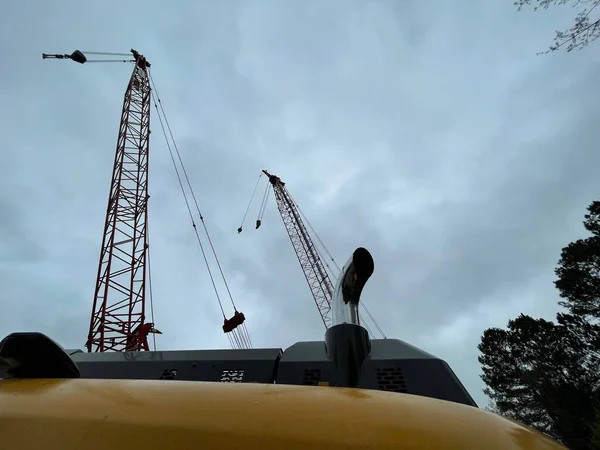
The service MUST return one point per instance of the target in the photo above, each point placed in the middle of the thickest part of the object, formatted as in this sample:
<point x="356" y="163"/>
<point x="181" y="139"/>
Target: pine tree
<point x="578" y="270"/>
<point x="544" y="375"/>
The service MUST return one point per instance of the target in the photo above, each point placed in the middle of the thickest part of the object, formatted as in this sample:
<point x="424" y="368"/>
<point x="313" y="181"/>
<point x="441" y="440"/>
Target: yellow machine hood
<point x="86" y="414"/>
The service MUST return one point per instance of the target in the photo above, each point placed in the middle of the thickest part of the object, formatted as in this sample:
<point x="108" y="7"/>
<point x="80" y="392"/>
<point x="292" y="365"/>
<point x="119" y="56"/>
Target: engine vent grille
<point x="391" y="379"/>
<point x="232" y="376"/>
<point x="168" y="374"/>
<point x="311" y="377"/>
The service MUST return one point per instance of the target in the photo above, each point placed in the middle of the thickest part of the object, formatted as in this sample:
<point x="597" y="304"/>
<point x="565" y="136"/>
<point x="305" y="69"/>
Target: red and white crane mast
<point x="118" y="312"/>
<point x="118" y="320"/>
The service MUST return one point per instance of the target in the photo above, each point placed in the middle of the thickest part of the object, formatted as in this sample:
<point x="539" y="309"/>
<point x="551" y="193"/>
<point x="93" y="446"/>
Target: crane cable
<point x="105" y="53"/>
<point x="236" y="342"/>
<point x="150" y="285"/>
<point x="249" y="204"/>
<point x="110" y="61"/>
<point x="242" y="340"/>
<point x="263" y="206"/>
<point x="107" y="60"/>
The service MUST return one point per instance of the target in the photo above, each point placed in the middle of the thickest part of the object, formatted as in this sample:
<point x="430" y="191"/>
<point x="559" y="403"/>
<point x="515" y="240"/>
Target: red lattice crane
<point x="118" y="315"/>
<point x="314" y="270"/>
<point x="118" y="321"/>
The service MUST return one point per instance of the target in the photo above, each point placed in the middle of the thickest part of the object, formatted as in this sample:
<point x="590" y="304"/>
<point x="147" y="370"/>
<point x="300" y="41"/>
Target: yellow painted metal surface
<point x="174" y="415"/>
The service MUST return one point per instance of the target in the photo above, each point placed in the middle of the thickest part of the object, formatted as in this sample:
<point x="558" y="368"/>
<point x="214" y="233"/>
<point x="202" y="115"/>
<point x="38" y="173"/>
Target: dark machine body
<point x="392" y="365"/>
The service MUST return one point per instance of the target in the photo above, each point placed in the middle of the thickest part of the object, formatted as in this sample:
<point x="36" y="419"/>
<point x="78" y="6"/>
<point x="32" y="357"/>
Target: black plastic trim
<point x="35" y="355"/>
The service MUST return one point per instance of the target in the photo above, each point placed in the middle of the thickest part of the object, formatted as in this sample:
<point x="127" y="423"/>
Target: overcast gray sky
<point x="429" y="132"/>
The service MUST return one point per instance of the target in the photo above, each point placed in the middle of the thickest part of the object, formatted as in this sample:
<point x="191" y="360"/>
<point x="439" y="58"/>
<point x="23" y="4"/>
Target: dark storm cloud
<point x="432" y="135"/>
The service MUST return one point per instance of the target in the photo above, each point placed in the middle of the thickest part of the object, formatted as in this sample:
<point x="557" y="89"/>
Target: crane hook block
<point x="258" y="223"/>
<point x="231" y="324"/>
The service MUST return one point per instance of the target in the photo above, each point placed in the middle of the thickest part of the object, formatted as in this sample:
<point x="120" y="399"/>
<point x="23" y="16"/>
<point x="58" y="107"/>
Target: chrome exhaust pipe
<point x="349" y="286"/>
<point x="347" y="342"/>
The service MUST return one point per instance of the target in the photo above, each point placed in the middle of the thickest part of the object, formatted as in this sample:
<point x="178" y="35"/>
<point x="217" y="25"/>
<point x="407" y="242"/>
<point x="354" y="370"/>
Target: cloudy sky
<point x="428" y="132"/>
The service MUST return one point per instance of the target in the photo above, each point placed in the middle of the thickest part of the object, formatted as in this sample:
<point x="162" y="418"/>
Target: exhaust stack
<point x="348" y="343"/>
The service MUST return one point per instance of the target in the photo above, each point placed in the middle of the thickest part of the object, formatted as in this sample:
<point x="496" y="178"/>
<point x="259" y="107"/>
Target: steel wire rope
<point x="150" y="284"/>
<point x="190" y="212"/>
<point x="235" y="342"/>
<point x="247" y="334"/>
<point x="263" y="203"/>
<point x="166" y="122"/>
<point x="109" y="61"/>
<point x="104" y="53"/>
<point x="250" y="203"/>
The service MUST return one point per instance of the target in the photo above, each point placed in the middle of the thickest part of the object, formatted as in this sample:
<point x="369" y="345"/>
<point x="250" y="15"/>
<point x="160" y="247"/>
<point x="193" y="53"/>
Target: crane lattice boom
<point x="118" y="314"/>
<point x="118" y="321"/>
<point x="316" y="276"/>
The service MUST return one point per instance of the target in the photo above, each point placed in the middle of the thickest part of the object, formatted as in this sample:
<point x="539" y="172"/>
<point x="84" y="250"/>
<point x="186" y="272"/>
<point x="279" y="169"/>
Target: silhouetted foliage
<point x="585" y="29"/>
<point x="578" y="270"/>
<point x="545" y="375"/>
<point x="596" y="428"/>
